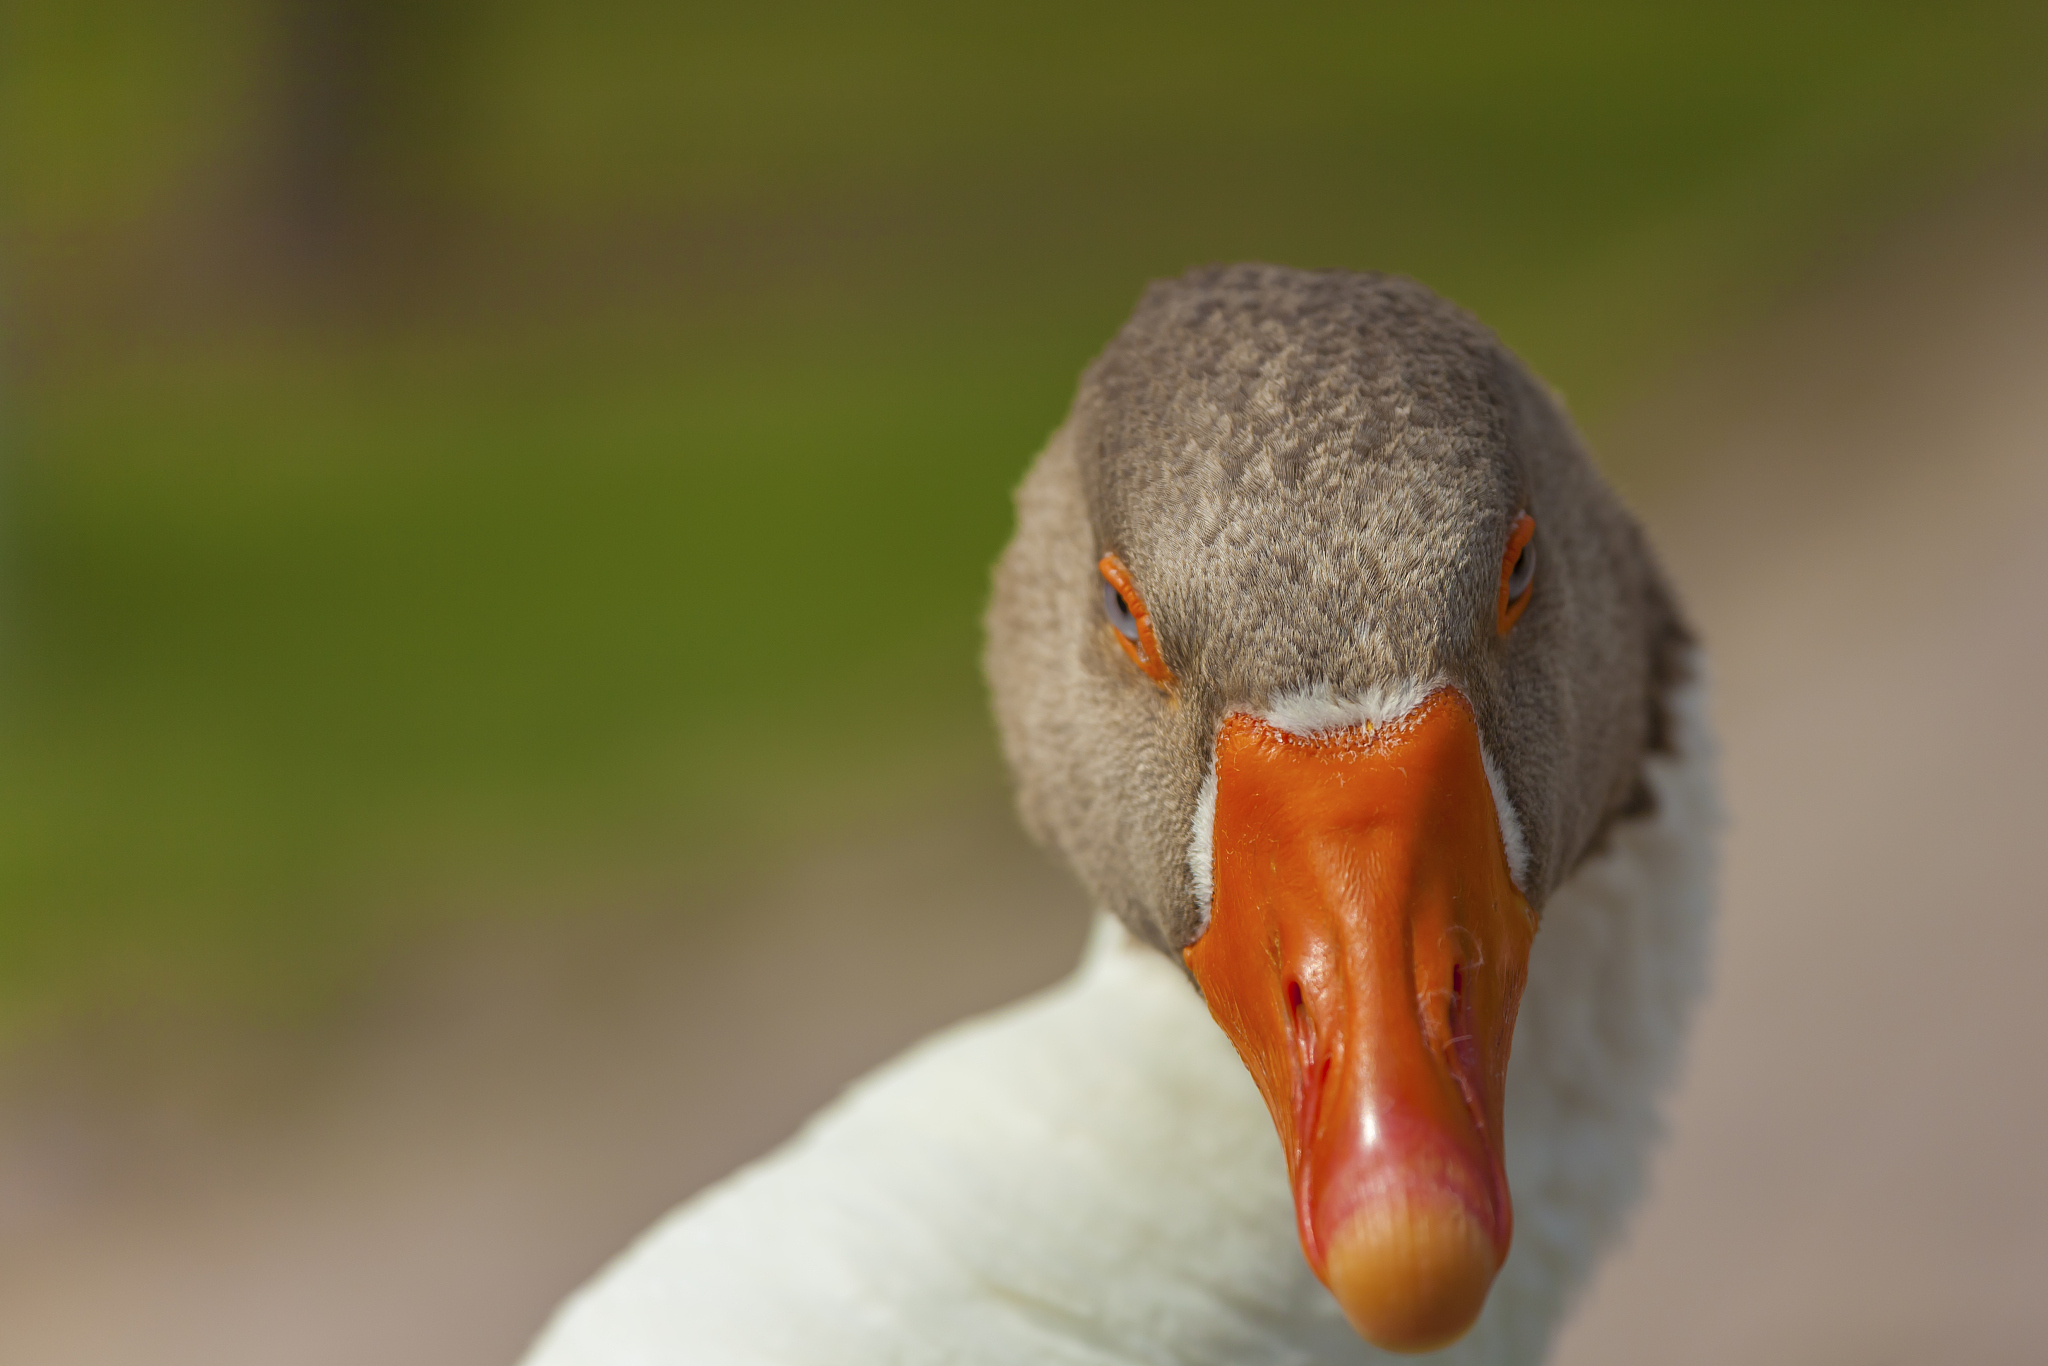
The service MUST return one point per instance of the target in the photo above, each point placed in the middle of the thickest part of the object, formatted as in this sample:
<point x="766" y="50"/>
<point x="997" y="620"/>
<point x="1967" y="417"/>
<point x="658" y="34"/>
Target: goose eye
<point x="1125" y="609"/>
<point x="1119" y="612"/>
<point x="1524" y="570"/>
<point x="1517" y="573"/>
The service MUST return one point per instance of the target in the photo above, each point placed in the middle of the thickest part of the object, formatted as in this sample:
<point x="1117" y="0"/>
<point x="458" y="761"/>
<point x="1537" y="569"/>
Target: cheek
<point x="1144" y="796"/>
<point x="1535" y="765"/>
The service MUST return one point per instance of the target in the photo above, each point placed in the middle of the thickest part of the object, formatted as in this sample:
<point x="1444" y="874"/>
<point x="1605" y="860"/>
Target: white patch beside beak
<point x="1202" y="846"/>
<point x="1511" y="837"/>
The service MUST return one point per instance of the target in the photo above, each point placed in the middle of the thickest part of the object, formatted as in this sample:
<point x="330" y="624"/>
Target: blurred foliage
<point x="454" y="448"/>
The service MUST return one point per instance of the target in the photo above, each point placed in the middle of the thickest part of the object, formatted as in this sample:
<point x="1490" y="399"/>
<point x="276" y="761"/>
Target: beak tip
<point x="1413" y="1277"/>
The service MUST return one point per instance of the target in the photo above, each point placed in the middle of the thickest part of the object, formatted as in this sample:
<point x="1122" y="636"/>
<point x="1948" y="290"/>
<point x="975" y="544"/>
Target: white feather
<point x="1513" y="842"/>
<point x="1317" y="709"/>
<point x="1202" y="848"/>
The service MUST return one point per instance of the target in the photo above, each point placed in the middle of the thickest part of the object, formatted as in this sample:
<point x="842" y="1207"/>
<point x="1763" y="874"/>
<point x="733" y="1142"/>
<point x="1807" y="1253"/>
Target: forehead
<point x="1306" y="468"/>
<point x="1315" y="355"/>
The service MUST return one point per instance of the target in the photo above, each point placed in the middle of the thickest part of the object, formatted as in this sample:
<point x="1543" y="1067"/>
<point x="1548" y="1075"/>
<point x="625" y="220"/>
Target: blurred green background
<point x="460" y="457"/>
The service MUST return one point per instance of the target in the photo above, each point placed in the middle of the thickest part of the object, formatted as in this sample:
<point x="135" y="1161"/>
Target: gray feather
<point x="1313" y="477"/>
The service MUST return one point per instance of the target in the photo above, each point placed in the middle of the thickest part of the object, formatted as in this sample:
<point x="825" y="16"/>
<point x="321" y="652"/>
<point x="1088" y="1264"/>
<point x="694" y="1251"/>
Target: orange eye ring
<point x="1517" y="574"/>
<point x="1132" y="626"/>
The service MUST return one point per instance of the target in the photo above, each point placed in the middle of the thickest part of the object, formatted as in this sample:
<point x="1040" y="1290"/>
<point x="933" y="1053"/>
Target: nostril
<point x="1303" y="1023"/>
<point x="1309" y="1077"/>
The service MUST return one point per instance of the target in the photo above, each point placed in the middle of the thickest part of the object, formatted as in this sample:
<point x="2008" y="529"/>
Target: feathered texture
<point x="1513" y="842"/>
<point x="1091" y="1177"/>
<point x="1318" y="708"/>
<point x="1312" y="477"/>
<point x="1202" y="849"/>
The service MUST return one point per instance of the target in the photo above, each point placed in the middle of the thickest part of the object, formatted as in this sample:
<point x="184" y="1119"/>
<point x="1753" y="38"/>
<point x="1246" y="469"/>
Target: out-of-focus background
<point x="495" y="505"/>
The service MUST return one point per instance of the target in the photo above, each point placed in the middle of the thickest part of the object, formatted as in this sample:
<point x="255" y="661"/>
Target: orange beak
<point x="1366" y="951"/>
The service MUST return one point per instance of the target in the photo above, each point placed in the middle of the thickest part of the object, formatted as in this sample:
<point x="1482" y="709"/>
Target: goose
<point x="1356" y="700"/>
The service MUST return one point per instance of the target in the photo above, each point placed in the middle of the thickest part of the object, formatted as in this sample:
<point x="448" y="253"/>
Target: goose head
<point x="1322" y="654"/>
